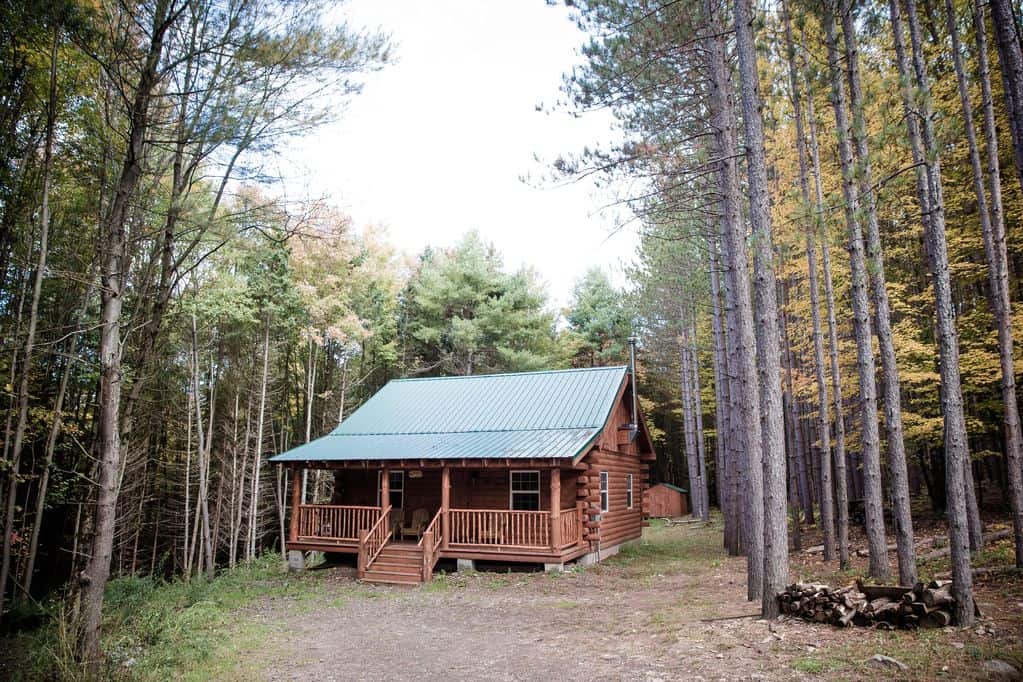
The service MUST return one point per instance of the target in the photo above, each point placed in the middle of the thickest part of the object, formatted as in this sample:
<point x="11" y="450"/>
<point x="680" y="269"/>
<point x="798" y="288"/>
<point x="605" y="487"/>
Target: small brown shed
<point x="665" y="499"/>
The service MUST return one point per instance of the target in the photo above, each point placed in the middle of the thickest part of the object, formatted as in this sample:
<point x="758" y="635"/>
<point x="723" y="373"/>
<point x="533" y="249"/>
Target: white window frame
<point x="605" y="494"/>
<point x="628" y="491"/>
<point x="391" y="489"/>
<point x="512" y="492"/>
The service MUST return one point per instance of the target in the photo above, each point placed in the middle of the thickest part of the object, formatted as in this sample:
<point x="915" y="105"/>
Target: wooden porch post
<point x="385" y="487"/>
<point x="555" y="509"/>
<point x="296" y="501"/>
<point x="445" y="504"/>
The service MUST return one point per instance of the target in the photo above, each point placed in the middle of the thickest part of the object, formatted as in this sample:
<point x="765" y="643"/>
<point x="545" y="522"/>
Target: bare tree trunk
<point x="898" y="475"/>
<point x="741" y="338"/>
<point x="861" y="314"/>
<point x="776" y="561"/>
<point x="93" y="579"/>
<point x="998" y="275"/>
<point x="688" y="423"/>
<point x="33" y="321"/>
<point x="189" y="546"/>
<point x="701" y="455"/>
<point x="839" y="458"/>
<point x="232" y="528"/>
<point x="257" y="459"/>
<point x="203" y="453"/>
<point x="722" y="424"/>
<point x="957" y="456"/>
<point x="1010" y="55"/>
<point x="823" y="419"/>
<point x="792" y="415"/>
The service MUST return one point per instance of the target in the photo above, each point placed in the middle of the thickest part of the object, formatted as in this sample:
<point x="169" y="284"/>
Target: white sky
<point x="437" y="142"/>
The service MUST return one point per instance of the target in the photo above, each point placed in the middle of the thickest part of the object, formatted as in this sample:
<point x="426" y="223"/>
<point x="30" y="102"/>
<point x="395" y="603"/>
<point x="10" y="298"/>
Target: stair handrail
<point x="371" y="542"/>
<point x="431" y="540"/>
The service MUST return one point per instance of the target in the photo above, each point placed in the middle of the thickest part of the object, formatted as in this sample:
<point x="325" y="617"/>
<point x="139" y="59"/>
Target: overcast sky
<point x="437" y="143"/>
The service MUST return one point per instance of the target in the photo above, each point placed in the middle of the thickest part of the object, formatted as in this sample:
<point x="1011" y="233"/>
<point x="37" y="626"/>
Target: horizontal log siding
<point x="619" y="524"/>
<point x="489" y="488"/>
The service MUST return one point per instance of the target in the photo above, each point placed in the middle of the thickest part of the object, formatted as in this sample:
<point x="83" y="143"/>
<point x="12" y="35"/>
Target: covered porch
<point x="485" y="510"/>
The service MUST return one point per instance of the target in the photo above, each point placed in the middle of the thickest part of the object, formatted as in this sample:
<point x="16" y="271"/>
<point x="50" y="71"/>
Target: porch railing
<point x="373" y="540"/>
<point x="335" y="522"/>
<point x="571" y="527"/>
<point x="494" y="528"/>
<point x="431" y="541"/>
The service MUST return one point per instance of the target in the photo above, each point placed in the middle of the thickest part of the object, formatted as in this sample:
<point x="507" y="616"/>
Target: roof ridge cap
<point x="435" y="433"/>
<point x="511" y="374"/>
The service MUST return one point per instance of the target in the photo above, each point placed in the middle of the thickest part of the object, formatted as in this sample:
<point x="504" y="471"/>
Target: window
<point x="525" y="490"/>
<point x="628" y="491"/>
<point x="396" y="483"/>
<point x="604" y="506"/>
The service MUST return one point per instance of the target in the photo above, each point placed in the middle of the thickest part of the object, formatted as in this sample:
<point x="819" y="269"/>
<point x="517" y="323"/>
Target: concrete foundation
<point x="605" y="552"/>
<point x="466" y="565"/>
<point x="296" y="560"/>
<point x="554" y="568"/>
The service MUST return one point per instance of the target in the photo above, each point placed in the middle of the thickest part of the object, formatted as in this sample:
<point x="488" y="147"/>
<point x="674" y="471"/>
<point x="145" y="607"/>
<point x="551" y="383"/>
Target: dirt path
<point x="672" y="610"/>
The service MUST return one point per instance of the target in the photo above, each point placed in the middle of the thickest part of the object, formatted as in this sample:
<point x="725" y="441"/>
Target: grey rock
<point x="883" y="661"/>
<point x="1000" y="670"/>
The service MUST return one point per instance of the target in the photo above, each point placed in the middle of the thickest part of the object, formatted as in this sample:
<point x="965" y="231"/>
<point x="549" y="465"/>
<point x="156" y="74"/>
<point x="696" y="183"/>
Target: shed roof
<point x="669" y="485"/>
<point x="550" y="414"/>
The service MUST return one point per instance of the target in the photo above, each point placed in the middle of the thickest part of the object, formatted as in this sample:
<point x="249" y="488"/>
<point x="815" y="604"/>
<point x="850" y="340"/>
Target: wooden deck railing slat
<point x="335" y="522"/>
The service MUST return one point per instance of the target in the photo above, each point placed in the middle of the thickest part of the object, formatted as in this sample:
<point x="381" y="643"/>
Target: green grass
<point x="664" y="550"/>
<point x="815" y="665"/>
<point x="192" y="630"/>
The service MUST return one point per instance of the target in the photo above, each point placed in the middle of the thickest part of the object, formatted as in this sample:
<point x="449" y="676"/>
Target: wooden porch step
<point x="398" y="564"/>
<point x="392" y="579"/>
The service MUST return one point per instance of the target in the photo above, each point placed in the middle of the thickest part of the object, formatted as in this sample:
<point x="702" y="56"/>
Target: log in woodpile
<point x="882" y="607"/>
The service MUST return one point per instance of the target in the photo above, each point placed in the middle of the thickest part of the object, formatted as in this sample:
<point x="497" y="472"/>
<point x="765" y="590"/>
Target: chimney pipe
<point x="634" y="426"/>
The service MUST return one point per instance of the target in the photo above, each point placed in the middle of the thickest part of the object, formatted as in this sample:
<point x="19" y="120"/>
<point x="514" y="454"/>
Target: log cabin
<point x="542" y="467"/>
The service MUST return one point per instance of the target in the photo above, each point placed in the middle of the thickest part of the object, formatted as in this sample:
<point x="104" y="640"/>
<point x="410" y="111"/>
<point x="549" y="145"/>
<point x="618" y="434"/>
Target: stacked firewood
<point x="885" y="607"/>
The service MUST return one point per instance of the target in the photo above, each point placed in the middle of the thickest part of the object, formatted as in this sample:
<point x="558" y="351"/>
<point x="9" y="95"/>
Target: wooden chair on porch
<point x="420" y="518"/>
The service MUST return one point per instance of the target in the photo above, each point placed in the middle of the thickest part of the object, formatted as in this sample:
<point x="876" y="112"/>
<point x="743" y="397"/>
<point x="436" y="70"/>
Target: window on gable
<point x="525" y="490"/>
<point x="604" y="502"/>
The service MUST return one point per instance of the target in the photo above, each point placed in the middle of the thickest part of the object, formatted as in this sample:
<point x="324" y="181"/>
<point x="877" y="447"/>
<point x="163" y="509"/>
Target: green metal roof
<point x="527" y="415"/>
<point x="673" y="487"/>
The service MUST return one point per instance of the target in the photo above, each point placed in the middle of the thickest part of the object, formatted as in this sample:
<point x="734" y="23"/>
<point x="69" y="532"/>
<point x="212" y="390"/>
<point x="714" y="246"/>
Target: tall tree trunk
<point x="203" y="453"/>
<point x="811" y="219"/>
<point x="33" y="321"/>
<point x="688" y="422"/>
<point x="792" y="415"/>
<point x="93" y="579"/>
<point x="257" y="461"/>
<point x="776" y="560"/>
<point x="869" y="436"/>
<point x="897" y="472"/>
<point x="839" y="459"/>
<point x="701" y="455"/>
<point x="957" y="456"/>
<point x="998" y="276"/>
<point x="741" y="338"/>
<point x="722" y="399"/>
<point x="1010" y="55"/>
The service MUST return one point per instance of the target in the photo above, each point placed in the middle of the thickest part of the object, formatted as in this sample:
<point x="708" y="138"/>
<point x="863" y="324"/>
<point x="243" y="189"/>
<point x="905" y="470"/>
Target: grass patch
<point x="816" y="665"/>
<point x="188" y="630"/>
<point x="675" y="549"/>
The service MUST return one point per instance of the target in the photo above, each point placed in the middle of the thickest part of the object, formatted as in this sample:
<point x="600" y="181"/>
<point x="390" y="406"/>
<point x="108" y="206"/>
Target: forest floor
<point x="671" y="607"/>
